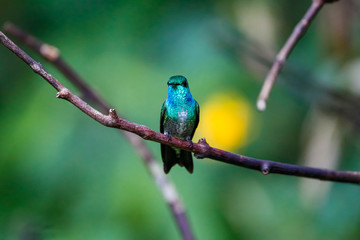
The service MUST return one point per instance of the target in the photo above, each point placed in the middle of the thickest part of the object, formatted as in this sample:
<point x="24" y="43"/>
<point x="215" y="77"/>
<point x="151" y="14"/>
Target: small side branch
<point x="201" y="149"/>
<point x="281" y="57"/>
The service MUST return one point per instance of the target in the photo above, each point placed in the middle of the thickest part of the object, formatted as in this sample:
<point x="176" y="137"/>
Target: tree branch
<point x="201" y="149"/>
<point x="281" y="57"/>
<point x="166" y="187"/>
<point x="52" y="54"/>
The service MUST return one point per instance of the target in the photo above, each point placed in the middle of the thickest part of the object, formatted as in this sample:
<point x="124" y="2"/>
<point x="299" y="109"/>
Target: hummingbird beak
<point x="173" y="85"/>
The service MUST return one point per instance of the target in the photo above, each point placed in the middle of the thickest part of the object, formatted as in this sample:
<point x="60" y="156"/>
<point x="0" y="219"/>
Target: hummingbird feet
<point x="168" y="135"/>
<point x="188" y="139"/>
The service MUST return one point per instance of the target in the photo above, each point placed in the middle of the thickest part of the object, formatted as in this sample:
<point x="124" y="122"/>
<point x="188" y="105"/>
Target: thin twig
<point x="201" y="149"/>
<point x="342" y="103"/>
<point x="164" y="184"/>
<point x="279" y="62"/>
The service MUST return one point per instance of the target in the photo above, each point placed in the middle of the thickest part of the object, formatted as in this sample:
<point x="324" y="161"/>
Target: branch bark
<point x="166" y="187"/>
<point x="291" y="42"/>
<point x="201" y="149"/>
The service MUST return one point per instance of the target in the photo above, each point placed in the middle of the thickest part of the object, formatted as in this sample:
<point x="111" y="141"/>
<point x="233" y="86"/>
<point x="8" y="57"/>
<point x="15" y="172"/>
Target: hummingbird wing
<point x="162" y="116"/>
<point x="168" y="154"/>
<point x="197" y="111"/>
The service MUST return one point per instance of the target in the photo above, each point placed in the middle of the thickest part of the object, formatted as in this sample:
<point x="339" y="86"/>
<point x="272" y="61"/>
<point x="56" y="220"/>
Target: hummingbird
<point x="179" y="118"/>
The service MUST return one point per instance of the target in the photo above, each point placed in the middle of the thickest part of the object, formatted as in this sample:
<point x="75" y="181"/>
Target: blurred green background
<point x="64" y="176"/>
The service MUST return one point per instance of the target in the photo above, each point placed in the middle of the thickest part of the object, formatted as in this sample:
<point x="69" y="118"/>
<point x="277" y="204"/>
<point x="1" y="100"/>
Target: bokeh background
<point x="64" y="176"/>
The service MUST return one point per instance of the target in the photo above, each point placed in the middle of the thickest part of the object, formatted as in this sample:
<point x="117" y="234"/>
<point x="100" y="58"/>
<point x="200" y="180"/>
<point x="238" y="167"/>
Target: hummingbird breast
<point x="180" y="118"/>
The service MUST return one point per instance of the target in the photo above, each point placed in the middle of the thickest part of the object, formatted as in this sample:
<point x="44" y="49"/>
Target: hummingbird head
<point x="178" y="82"/>
<point x="178" y="87"/>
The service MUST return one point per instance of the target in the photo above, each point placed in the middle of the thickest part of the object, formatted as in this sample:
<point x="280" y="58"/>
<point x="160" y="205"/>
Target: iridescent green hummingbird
<point x="179" y="118"/>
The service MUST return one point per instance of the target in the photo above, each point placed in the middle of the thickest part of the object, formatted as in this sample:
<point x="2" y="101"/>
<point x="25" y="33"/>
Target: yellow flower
<point x="224" y="121"/>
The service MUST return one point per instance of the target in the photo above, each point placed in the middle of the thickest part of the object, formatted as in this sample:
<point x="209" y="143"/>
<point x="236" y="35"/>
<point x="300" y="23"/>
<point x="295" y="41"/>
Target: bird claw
<point x="168" y="135"/>
<point x="188" y="139"/>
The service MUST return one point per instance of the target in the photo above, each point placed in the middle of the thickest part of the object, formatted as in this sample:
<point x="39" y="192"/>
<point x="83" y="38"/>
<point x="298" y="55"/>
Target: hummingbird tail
<point x="170" y="158"/>
<point x="186" y="160"/>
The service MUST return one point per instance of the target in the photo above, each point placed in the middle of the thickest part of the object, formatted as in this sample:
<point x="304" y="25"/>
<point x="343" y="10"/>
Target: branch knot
<point x="205" y="147"/>
<point x="36" y="67"/>
<point x="113" y="117"/>
<point x="63" y="93"/>
<point x="265" y="168"/>
<point x="113" y="114"/>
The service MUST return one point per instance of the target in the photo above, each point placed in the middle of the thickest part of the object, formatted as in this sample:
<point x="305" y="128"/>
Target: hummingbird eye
<point x="184" y="84"/>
